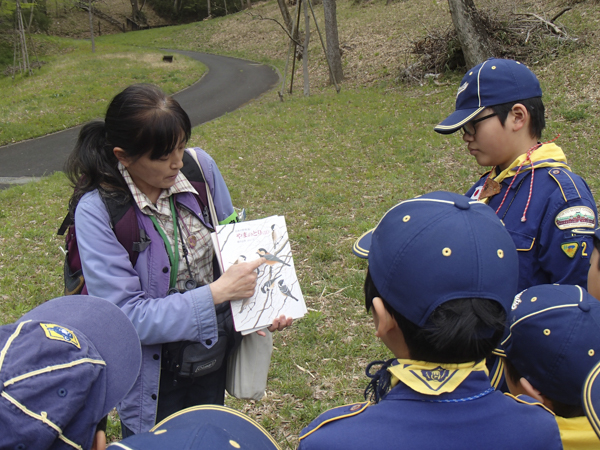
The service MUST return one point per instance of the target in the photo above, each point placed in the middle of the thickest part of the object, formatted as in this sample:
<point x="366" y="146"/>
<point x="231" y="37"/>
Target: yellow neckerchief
<point x="550" y="153"/>
<point x="433" y="378"/>
<point x="577" y="433"/>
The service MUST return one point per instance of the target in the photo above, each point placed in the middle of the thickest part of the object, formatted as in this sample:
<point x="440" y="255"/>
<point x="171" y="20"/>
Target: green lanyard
<point x="173" y="254"/>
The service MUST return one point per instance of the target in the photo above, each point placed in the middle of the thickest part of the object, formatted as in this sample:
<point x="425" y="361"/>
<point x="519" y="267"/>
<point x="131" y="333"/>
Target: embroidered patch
<point x="575" y="217"/>
<point x="477" y="193"/>
<point x="59" y="333"/>
<point x="462" y="88"/>
<point x="434" y="379"/>
<point x="570" y="248"/>
<point x="516" y="301"/>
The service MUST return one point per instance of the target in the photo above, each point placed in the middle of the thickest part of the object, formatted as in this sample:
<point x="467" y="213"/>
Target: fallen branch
<point x="556" y="29"/>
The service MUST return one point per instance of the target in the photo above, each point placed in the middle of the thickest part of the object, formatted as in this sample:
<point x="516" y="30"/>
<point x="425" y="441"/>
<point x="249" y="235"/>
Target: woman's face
<point x="151" y="176"/>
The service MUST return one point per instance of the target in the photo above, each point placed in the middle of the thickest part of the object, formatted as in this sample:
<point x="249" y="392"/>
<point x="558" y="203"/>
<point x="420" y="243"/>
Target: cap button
<point x="584" y="307"/>
<point x="462" y="203"/>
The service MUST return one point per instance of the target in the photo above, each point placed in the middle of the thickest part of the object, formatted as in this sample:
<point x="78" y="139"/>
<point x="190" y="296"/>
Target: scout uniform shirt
<point x="436" y="406"/>
<point x="540" y="216"/>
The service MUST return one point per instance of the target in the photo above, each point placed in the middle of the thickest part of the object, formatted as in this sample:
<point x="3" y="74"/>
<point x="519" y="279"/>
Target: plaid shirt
<point x="195" y="235"/>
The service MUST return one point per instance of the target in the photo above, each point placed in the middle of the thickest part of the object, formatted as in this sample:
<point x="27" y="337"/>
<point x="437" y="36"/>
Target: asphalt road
<point x="229" y="84"/>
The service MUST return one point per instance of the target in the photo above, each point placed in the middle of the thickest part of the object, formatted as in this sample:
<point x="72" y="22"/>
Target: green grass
<point x="74" y="85"/>
<point x="332" y="164"/>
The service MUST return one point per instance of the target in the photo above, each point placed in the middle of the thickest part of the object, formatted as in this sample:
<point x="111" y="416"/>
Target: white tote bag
<point x="248" y="367"/>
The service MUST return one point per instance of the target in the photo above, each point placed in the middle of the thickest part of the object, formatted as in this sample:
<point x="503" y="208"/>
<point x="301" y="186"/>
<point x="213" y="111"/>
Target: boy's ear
<point x="384" y="322"/>
<point x="520" y="117"/>
<point x="534" y="393"/>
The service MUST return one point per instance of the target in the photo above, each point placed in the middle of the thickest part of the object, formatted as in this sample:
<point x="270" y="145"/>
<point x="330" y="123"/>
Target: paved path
<point x="229" y="84"/>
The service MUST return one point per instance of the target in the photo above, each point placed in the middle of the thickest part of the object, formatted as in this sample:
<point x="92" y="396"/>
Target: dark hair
<point x="559" y="408"/>
<point x="534" y="106"/>
<point x="457" y="331"/>
<point x="141" y="120"/>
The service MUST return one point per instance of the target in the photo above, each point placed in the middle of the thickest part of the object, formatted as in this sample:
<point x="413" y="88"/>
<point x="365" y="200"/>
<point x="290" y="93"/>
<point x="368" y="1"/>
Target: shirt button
<point x="165" y="269"/>
<point x="153" y="396"/>
<point x="208" y="341"/>
<point x="156" y="357"/>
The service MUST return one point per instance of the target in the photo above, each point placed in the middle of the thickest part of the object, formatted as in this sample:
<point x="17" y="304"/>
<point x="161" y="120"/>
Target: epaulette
<point x="565" y="182"/>
<point x="341" y="412"/>
<point x="526" y="400"/>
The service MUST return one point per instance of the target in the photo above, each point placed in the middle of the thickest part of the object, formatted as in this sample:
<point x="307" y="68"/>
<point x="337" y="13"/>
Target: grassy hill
<point x="331" y="163"/>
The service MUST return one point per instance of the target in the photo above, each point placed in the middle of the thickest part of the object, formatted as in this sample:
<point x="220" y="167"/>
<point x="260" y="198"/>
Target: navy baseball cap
<point x="207" y="427"/>
<point x="591" y="398"/>
<point x="63" y="367"/>
<point x="554" y="339"/>
<point x="439" y="247"/>
<point x="493" y="82"/>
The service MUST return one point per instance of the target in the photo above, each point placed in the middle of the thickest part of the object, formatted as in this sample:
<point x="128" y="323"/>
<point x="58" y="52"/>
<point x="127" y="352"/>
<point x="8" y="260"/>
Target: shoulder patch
<point x="60" y="333"/>
<point x="341" y="412"/>
<point x="570" y="248"/>
<point x="566" y="183"/>
<point x="575" y="217"/>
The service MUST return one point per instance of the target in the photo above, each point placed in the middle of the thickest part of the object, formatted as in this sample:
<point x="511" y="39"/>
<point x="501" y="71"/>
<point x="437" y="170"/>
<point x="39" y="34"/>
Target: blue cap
<point x="591" y="398"/>
<point x="554" y="339"/>
<point x="63" y="367"/>
<point x="439" y="247"/>
<point x="493" y="82"/>
<point x="207" y="427"/>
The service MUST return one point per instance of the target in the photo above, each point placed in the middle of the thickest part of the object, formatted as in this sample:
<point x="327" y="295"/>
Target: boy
<point x="442" y="273"/>
<point x="554" y="342"/>
<point x="530" y="186"/>
<point x="203" y="427"/>
<point x="63" y="367"/>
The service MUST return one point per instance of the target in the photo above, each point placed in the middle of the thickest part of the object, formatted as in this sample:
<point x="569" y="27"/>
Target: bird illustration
<point x="275" y="236"/>
<point x="270" y="259"/>
<point x="240" y="259"/>
<point x="285" y="290"/>
<point x="245" y="302"/>
<point x="268" y="285"/>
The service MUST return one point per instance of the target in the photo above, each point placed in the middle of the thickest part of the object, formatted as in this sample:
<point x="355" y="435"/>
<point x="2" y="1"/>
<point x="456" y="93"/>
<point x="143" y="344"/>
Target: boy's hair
<point x="457" y="331"/>
<point x="536" y="110"/>
<point x="559" y="408"/>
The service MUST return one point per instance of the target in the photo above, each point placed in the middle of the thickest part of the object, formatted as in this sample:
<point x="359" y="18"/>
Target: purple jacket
<point x="140" y="291"/>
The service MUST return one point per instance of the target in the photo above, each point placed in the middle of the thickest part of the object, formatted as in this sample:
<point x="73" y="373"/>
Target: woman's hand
<point x="238" y="282"/>
<point x="279" y="323"/>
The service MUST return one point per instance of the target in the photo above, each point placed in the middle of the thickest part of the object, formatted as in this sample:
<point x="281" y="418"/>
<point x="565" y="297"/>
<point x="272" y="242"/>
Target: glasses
<point x="469" y="127"/>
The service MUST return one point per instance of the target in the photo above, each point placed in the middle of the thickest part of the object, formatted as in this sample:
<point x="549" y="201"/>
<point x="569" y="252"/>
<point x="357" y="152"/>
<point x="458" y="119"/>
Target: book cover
<point x="277" y="291"/>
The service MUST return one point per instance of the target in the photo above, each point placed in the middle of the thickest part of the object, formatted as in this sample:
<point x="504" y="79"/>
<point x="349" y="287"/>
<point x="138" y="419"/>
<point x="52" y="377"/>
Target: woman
<point x="135" y="155"/>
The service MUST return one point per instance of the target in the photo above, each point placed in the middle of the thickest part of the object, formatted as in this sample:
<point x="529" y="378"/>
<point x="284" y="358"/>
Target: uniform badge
<point x="570" y="248"/>
<point x="60" y="333"/>
<point x="575" y="217"/>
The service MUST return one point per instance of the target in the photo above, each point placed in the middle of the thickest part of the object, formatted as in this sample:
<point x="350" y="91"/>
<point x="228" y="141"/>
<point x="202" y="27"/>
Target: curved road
<point x="229" y="84"/>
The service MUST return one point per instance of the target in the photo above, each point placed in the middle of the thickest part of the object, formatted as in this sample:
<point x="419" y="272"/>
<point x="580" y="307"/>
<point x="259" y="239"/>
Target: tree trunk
<point x="208" y="8"/>
<point x="134" y="10"/>
<point x="305" y="50"/>
<point x="91" y="26"/>
<point x="249" y="4"/>
<point x="333" y="44"/>
<point x="30" y="17"/>
<point x="286" y="15"/>
<point x="225" y="3"/>
<point x="471" y="35"/>
<point x="21" y="32"/>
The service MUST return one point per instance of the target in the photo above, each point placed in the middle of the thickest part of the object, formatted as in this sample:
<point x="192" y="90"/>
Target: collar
<point x="181" y="185"/>
<point x="433" y="378"/>
<point x="577" y="433"/>
<point x="547" y="155"/>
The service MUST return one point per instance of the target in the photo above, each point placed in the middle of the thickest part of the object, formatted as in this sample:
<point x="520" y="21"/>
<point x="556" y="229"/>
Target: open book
<point x="277" y="290"/>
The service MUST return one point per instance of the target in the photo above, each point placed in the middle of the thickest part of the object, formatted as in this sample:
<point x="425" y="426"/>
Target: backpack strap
<point x="124" y="222"/>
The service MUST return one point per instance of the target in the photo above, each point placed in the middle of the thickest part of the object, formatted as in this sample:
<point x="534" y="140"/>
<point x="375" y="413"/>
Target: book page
<point x="277" y="291"/>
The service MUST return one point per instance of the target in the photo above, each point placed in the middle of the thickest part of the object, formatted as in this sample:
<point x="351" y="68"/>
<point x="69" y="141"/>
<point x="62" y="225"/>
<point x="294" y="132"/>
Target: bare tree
<point x="91" y="15"/>
<point x="305" y="49"/>
<point x="333" y="44"/>
<point x="470" y="31"/>
<point x="285" y="12"/>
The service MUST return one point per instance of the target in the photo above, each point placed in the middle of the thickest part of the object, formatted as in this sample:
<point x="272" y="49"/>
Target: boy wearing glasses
<point x="530" y="186"/>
